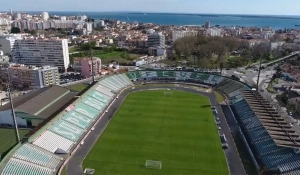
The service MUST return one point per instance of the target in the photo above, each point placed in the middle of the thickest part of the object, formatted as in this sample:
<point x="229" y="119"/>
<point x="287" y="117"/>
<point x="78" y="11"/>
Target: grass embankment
<point x="270" y="86"/>
<point x="78" y="87"/>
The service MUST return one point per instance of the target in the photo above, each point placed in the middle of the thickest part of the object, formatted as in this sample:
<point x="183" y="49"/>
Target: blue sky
<point x="272" y="7"/>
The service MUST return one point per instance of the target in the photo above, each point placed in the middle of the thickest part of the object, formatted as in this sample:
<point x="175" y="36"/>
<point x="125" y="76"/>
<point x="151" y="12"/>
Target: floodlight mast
<point x="92" y="65"/>
<point x="259" y="69"/>
<point x="13" y="110"/>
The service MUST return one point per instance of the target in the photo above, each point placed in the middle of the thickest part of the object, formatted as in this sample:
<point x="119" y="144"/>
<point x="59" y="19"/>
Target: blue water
<point x="275" y="22"/>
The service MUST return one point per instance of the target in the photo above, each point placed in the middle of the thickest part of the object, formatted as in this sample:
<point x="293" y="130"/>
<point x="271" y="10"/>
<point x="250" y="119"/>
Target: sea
<point x="275" y="22"/>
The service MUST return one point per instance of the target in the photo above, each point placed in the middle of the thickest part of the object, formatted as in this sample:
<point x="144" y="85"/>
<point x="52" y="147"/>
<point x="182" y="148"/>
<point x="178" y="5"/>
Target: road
<point x="74" y="165"/>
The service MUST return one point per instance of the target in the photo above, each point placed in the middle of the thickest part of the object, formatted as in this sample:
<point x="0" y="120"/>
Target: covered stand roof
<point x="43" y="102"/>
<point x="278" y="128"/>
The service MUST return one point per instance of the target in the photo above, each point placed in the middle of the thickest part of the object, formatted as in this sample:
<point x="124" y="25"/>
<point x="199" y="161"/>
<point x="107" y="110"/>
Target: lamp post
<point x="13" y="112"/>
<point x="92" y="64"/>
<point x="257" y="83"/>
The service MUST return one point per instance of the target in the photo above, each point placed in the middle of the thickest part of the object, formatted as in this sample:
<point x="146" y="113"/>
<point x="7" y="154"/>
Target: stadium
<point x="136" y="123"/>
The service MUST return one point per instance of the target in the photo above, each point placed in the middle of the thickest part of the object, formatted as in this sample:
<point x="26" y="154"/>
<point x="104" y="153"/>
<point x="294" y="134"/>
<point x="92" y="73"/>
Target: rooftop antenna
<point x="13" y="110"/>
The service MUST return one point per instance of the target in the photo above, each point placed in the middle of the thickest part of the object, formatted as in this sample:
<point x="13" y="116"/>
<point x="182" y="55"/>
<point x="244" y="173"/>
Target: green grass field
<point x="7" y="137"/>
<point x="178" y="130"/>
<point x="78" y="87"/>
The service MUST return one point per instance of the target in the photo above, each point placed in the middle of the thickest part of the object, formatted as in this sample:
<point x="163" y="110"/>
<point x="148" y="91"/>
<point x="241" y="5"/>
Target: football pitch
<point x="177" y="129"/>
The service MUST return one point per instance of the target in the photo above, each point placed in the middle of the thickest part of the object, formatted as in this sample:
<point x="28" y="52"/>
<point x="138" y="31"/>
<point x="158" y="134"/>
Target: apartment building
<point x="29" y="77"/>
<point x="40" y="52"/>
<point x="156" y="40"/>
<point x="7" y="42"/>
<point x="84" y="65"/>
<point x="183" y="33"/>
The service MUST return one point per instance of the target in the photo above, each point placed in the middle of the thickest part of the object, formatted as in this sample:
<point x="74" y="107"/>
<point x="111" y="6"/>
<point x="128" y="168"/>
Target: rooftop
<point x="278" y="127"/>
<point x="43" y="102"/>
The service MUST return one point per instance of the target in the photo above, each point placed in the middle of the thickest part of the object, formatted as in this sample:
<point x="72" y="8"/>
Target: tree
<point x="26" y="31"/>
<point x="88" y="46"/>
<point x="288" y="40"/>
<point x="275" y="37"/>
<point x="33" y="32"/>
<point x="15" y="30"/>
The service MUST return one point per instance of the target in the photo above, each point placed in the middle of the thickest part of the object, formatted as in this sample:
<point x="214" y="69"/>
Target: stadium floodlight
<point x="13" y="112"/>
<point x="154" y="164"/>
<point x="168" y="93"/>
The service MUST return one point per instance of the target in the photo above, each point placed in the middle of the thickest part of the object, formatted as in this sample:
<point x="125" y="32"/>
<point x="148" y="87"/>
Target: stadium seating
<point x="258" y="134"/>
<point x="233" y="94"/>
<point x="296" y="172"/>
<point x="19" y="167"/>
<point x="251" y="122"/>
<point x="39" y="156"/>
<point x="273" y="157"/>
<point x="294" y="165"/>
<point x="227" y="86"/>
<point x="165" y="74"/>
<point x="109" y="85"/>
<point x="66" y="130"/>
<point x="125" y="79"/>
<point x="115" y="82"/>
<point x="104" y="90"/>
<point x="92" y="102"/>
<point x="53" y="142"/>
<point x="120" y="79"/>
<point x="99" y="96"/>
<point x="285" y="159"/>
<point x="182" y="75"/>
<point x="214" y="79"/>
<point x="202" y="77"/>
<point x="31" y="153"/>
<point x="148" y="74"/>
<point x="267" y="146"/>
<point x="77" y="119"/>
<point x="86" y="110"/>
<point x="133" y="75"/>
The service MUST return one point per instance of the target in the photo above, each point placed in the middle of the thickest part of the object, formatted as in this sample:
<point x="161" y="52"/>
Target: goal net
<point x="168" y="93"/>
<point x="154" y="164"/>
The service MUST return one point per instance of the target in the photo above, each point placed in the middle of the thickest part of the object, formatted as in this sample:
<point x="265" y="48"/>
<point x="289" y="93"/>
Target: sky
<point x="267" y="7"/>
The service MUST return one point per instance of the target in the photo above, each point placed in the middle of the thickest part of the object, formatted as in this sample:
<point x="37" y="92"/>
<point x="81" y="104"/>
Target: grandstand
<point x="273" y="141"/>
<point x="44" y="151"/>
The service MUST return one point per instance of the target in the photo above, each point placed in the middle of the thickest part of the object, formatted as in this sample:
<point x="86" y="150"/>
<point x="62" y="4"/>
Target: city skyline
<point x="255" y="7"/>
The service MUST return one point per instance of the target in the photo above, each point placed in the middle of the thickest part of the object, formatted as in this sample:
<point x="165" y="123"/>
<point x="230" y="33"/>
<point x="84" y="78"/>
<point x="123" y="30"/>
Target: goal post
<point x="168" y="93"/>
<point x="154" y="164"/>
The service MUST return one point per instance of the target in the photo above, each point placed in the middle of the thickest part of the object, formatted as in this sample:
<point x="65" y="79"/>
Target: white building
<point x="214" y="32"/>
<point x="102" y="23"/>
<point x="41" y="52"/>
<point x="81" y="17"/>
<point x="156" y="40"/>
<point x="207" y="24"/>
<point x="5" y="25"/>
<point x="183" y="33"/>
<point x="89" y="27"/>
<point x="45" y="16"/>
<point x="63" y="18"/>
<point x="17" y="16"/>
<point x="7" y="42"/>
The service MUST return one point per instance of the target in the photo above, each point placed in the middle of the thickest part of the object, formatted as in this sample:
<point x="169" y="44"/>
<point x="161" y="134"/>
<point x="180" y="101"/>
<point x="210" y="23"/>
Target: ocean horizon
<point x="193" y="19"/>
